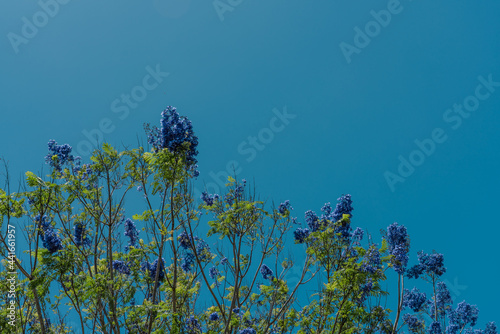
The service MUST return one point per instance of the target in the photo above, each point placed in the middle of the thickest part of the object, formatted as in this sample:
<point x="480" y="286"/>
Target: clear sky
<point x="394" y="102"/>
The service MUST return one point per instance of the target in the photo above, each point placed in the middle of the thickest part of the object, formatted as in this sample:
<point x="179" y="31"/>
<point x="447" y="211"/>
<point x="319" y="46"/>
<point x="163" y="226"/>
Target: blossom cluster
<point x="59" y="155"/>
<point x="415" y="325"/>
<point x="209" y="198"/>
<point x="236" y="194"/>
<point x="284" y="207"/>
<point x="366" y="288"/>
<point x="372" y="261"/>
<point x="399" y="246"/>
<point x="441" y="301"/>
<point x="187" y="262"/>
<point x="50" y="238"/>
<point x="189" y="244"/>
<point x="85" y="171"/>
<point x="458" y="319"/>
<point x="214" y="316"/>
<point x="191" y="325"/>
<point x="357" y="235"/>
<point x="80" y="237"/>
<point x="431" y="264"/>
<point x="301" y="235"/>
<point x="312" y="220"/>
<point x="131" y="232"/>
<point x="214" y="273"/>
<point x="266" y="272"/>
<point x="152" y="267"/>
<point x="465" y="314"/>
<point x="414" y="299"/>
<point x="174" y="132"/>
<point x="330" y="216"/>
<point x="343" y="207"/>
<point x="121" y="267"/>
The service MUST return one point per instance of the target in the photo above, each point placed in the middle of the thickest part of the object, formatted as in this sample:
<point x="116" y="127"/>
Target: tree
<point x="156" y="272"/>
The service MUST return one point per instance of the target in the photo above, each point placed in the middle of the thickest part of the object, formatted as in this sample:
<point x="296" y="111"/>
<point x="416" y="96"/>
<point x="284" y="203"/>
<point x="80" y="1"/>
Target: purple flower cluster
<point x="85" y="169"/>
<point x="50" y="239"/>
<point x="121" y="267"/>
<point x="452" y="329"/>
<point x="414" y="324"/>
<point x="397" y="235"/>
<point x="248" y="331"/>
<point x="301" y="235"/>
<point x="59" y="155"/>
<point x="131" y="232"/>
<point x="365" y="290"/>
<point x="399" y="246"/>
<point x="214" y="316"/>
<point x="240" y="187"/>
<point x="214" y="273"/>
<point x="202" y="248"/>
<point x="327" y="209"/>
<point x="237" y="193"/>
<point x="442" y="300"/>
<point x="465" y="314"/>
<point x="312" y="220"/>
<point x="341" y="227"/>
<point x="285" y="207"/>
<point x="414" y="299"/>
<point x="80" y="236"/>
<point x="192" y="326"/>
<point x="187" y="262"/>
<point x="443" y="296"/>
<point x="357" y="235"/>
<point x="152" y="267"/>
<point x="174" y="132"/>
<point x="209" y="198"/>
<point x="435" y="328"/>
<point x="184" y="240"/>
<point x="400" y="259"/>
<point x="415" y="271"/>
<point x="491" y="328"/>
<point x="431" y="264"/>
<point x="372" y="261"/>
<point x="344" y="206"/>
<point x="266" y="272"/>
<point x="187" y="242"/>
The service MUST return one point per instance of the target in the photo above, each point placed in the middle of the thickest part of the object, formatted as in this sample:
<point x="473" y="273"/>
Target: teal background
<point x="352" y="120"/>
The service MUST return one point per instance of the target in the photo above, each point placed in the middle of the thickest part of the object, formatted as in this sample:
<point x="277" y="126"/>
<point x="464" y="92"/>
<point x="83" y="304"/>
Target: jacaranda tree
<point x="112" y="271"/>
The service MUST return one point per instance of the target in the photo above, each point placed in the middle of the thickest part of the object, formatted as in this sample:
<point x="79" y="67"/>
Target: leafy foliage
<point x="166" y="277"/>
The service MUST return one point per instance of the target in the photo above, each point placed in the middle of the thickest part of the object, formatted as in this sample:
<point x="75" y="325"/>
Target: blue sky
<point x="233" y="69"/>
